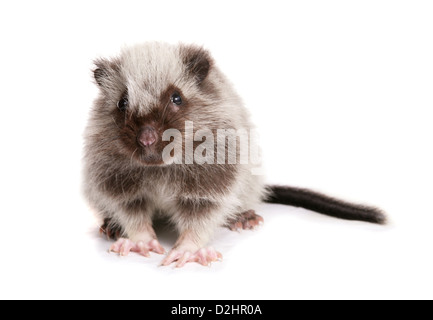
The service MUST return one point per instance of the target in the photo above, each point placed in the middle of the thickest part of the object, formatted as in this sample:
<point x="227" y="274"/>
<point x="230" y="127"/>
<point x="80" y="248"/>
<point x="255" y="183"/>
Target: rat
<point x="136" y="169"/>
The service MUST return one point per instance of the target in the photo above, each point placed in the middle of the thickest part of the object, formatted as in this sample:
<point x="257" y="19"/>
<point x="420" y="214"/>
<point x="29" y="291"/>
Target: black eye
<point x="176" y="99"/>
<point x="122" y="104"/>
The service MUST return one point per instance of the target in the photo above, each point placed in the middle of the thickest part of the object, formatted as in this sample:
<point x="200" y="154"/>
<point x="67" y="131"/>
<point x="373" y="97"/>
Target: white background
<point x="341" y="92"/>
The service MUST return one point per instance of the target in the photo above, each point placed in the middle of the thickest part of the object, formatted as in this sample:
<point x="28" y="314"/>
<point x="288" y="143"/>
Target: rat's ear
<point x="105" y="72"/>
<point x="197" y="61"/>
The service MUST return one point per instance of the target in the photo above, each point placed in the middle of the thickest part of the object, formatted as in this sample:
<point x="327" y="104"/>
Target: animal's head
<point x="149" y="89"/>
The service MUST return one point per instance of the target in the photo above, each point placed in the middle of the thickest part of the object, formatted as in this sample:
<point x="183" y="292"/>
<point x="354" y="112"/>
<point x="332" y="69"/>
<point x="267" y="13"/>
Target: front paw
<point x="204" y="256"/>
<point x="123" y="246"/>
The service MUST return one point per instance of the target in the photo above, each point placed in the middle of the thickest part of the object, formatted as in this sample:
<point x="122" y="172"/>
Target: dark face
<point x="137" y="113"/>
<point x="141" y="135"/>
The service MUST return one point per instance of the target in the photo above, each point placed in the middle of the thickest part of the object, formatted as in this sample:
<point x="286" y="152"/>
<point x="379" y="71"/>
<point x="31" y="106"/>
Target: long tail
<point x="323" y="204"/>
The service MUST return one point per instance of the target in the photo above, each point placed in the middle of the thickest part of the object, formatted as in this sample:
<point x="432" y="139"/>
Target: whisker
<point x="114" y="120"/>
<point x="164" y="112"/>
<point x="132" y="155"/>
<point x="130" y="127"/>
<point x="103" y="143"/>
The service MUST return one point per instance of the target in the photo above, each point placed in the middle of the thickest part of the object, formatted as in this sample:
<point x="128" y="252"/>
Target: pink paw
<point x="204" y="256"/>
<point x="123" y="246"/>
<point x="247" y="220"/>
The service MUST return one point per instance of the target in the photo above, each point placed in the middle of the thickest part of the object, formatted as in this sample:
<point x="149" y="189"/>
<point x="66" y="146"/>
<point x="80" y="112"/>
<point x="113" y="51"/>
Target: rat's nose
<point x="147" y="136"/>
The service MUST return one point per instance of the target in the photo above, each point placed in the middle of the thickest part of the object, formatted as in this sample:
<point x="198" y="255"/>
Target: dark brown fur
<point x="198" y="62"/>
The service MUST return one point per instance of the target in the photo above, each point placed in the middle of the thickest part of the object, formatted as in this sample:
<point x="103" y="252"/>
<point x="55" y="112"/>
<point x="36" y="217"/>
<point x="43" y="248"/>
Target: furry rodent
<point x="145" y="91"/>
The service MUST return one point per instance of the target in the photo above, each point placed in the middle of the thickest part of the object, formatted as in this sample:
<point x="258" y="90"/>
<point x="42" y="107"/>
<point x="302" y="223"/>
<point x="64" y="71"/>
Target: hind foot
<point x="246" y="220"/>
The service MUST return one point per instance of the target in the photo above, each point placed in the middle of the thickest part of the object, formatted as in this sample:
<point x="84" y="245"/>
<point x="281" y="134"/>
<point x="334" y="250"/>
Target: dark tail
<point x="323" y="204"/>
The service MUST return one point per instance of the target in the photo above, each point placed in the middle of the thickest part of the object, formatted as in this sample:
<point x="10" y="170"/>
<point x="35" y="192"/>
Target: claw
<point x="126" y="247"/>
<point x="123" y="246"/>
<point x="183" y="260"/>
<point x="156" y="246"/>
<point x="142" y="249"/>
<point x="115" y="247"/>
<point x="247" y="220"/>
<point x="203" y="256"/>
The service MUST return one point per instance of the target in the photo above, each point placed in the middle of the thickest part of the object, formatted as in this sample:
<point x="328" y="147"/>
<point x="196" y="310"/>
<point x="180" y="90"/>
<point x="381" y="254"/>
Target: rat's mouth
<point x="152" y="160"/>
<point x="149" y="156"/>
